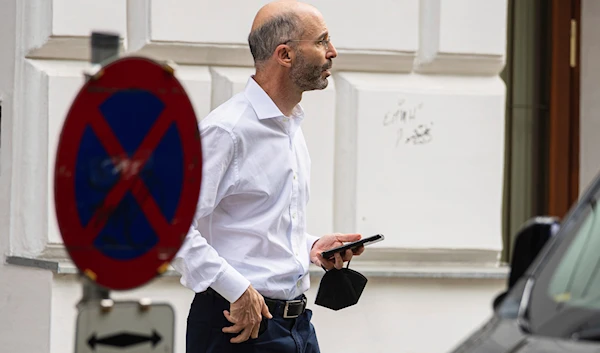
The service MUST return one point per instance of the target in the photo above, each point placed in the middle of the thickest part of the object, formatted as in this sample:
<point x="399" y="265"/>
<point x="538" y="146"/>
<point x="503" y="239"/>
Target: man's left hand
<point x="331" y="241"/>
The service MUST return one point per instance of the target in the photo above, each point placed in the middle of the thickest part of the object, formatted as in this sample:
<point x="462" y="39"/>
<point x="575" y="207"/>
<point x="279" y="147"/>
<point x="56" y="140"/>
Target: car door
<point x="554" y="305"/>
<point x="562" y="313"/>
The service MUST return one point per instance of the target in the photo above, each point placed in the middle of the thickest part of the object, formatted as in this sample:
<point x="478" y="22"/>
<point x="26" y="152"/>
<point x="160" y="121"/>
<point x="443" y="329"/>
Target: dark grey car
<point x="552" y="303"/>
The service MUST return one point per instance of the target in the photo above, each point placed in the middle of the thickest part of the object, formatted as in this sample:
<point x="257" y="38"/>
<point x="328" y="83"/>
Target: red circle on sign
<point x="85" y="122"/>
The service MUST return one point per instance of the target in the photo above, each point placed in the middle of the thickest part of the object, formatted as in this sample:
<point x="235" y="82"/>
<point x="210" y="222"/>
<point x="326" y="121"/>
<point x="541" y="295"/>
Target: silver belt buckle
<point x="287" y="306"/>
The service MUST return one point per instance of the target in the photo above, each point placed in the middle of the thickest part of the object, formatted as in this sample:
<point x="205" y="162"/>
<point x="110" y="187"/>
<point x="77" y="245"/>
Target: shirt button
<point x="294" y="176"/>
<point x="294" y="216"/>
<point x="299" y="284"/>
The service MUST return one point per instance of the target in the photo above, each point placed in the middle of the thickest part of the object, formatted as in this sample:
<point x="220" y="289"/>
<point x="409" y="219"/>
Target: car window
<point x="566" y="291"/>
<point x="576" y="281"/>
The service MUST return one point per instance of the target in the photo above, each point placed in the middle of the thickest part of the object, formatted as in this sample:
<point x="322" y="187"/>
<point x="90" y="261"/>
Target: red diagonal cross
<point x="129" y="180"/>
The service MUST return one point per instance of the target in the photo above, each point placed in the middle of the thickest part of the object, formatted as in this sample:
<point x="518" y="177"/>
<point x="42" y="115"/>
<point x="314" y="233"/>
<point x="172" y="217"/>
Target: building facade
<point x="408" y="140"/>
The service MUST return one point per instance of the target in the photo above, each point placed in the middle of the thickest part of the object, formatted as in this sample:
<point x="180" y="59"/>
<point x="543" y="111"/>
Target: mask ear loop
<point x="347" y="265"/>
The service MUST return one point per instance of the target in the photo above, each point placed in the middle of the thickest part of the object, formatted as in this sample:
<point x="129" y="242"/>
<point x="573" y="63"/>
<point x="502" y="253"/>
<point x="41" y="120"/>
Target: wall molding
<point x="238" y="55"/>
<point x="220" y="54"/>
<point x="66" y="48"/>
<point x="461" y="64"/>
<point x="374" y="263"/>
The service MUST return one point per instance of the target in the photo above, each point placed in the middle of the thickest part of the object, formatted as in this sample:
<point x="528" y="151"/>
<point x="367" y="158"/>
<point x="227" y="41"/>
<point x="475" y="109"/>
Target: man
<point x="247" y="253"/>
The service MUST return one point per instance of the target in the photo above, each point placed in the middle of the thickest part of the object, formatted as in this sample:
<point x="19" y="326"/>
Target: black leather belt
<point x="288" y="309"/>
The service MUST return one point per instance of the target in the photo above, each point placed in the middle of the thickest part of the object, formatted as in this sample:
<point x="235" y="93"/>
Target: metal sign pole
<point x="105" y="47"/>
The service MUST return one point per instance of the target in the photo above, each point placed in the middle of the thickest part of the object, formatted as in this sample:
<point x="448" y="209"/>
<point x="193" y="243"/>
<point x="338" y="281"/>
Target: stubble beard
<point x="308" y="77"/>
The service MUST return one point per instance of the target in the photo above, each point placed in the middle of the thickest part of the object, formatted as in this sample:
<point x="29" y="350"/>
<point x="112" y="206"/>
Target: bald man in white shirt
<point x="247" y="253"/>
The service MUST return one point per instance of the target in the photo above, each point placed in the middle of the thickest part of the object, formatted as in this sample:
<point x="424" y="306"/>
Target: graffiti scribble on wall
<point x="411" y="127"/>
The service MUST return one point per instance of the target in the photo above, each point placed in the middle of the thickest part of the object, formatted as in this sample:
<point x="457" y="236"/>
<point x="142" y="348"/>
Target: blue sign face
<point x="129" y="116"/>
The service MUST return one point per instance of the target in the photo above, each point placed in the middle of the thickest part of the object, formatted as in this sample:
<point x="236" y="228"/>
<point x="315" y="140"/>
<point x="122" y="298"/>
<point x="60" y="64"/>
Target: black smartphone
<point x="353" y="245"/>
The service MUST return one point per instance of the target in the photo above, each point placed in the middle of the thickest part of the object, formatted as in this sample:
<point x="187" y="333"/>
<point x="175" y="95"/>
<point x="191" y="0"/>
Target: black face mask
<point x="340" y="289"/>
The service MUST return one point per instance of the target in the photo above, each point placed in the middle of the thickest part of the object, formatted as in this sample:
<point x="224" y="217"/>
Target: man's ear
<point x="284" y="55"/>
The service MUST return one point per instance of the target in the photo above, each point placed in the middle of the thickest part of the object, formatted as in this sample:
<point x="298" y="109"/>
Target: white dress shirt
<point x="250" y="225"/>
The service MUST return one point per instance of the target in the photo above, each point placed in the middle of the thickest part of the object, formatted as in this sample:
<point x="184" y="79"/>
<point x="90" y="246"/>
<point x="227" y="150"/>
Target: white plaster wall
<point x="459" y="18"/>
<point x="80" y="17"/>
<point x="590" y="92"/>
<point x="437" y="61"/>
<point x="465" y="36"/>
<point x="173" y="23"/>
<point x="24" y="293"/>
<point x="24" y="309"/>
<point x="381" y="17"/>
<point x="393" y="315"/>
<point x="59" y="28"/>
<point x="440" y="190"/>
<point x="360" y="181"/>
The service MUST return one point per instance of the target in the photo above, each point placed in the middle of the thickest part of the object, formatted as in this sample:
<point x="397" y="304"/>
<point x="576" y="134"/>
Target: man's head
<point x="290" y="40"/>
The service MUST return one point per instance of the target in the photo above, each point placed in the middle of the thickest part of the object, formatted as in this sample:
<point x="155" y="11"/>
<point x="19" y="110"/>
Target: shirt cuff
<point x="310" y="241"/>
<point x="230" y="284"/>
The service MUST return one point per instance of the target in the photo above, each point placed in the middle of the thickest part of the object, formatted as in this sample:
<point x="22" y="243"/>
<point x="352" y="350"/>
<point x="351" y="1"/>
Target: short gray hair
<point x="272" y="33"/>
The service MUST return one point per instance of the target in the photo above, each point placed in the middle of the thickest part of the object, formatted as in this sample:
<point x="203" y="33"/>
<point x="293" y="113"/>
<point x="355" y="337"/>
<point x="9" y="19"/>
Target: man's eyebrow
<point x="324" y="35"/>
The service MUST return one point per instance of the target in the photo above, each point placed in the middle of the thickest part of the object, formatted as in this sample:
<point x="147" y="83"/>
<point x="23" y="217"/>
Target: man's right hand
<point x="246" y="315"/>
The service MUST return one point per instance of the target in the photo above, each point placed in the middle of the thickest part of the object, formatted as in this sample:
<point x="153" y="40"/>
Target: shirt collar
<point x="264" y="106"/>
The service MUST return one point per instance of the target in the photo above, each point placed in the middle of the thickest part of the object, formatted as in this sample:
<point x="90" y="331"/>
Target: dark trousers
<point x="281" y="335"/>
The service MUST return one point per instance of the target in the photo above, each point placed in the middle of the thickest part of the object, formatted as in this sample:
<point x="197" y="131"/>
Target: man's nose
<point x="331" y="52"/>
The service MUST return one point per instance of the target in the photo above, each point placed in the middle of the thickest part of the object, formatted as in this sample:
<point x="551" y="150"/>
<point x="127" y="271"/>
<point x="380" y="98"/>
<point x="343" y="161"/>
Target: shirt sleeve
<point x="199" y="263"/>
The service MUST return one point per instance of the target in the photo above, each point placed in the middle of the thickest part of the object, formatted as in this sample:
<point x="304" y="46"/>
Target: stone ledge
<point x="66" y="48"/>
<point x="216" y="54"/>
<point x="461" y="64"/>
<point x="220" y="54"/>
<point x="375" y="263"/>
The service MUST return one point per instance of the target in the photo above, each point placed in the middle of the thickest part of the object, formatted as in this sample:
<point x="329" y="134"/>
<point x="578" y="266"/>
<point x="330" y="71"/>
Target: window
<point x="566" y="293"/>
<point x="576" y="281"/>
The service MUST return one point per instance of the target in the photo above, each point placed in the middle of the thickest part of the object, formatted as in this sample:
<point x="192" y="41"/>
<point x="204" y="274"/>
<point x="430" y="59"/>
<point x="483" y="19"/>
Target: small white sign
<point x="125" y="327"/>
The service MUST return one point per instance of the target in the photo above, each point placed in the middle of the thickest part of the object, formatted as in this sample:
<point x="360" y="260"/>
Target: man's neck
<point x="284" y="96"/>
